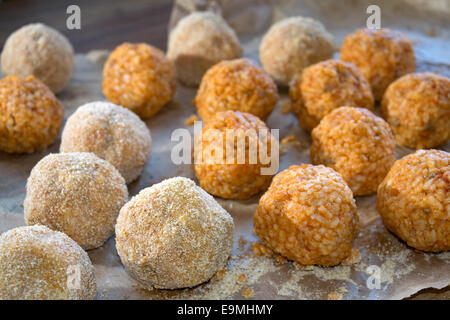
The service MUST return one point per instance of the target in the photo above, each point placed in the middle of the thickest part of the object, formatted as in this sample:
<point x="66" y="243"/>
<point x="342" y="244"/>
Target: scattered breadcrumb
<point x="290" y="138"/>
<point x="286" y="107"/>
<point x="333" y="295"/>
<point x="248" y="293"/>
<point x="353" y="258"/>
<point x="242" y="278"/>
<point x="191" y="120"/>
<point x="220" y="274"/>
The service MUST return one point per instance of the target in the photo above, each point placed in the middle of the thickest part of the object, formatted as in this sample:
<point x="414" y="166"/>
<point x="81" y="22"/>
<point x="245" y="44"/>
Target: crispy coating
<point x="233" y="179"/>
<point x="417" y="106"/>
<point x="173" y="235"/>
<point x="357" y="144"/>
<point x="308" y="215"/>
<point x="326" y="86"/>
<point x="112" y="133"/>
<point x="414" y="200"/>
<point x="381" y="55"/>
<point x="75" y="193"/>
<point x="40" y="51"/>
<point x="291" y="45"/>
<point x="30" y="115"/>
<point x="199" y="41"/>
<point x="37" y="263"/>
<point x="139" y="77"/>
<point x="237" y="85"/>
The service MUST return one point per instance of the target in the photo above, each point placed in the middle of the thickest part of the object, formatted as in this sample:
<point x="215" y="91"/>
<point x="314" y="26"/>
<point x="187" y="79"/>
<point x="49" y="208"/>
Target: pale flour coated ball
<point x="357" y="144"/>
<point x="30" y="115"/>
<point x="414" y="200"/>
<point x="75" y="193"/>
<point x="199" y="41"/>
<point x="112" y="133"/>
<point x="40" y="51"/>
<point x="326" y="86"/>
<point x="382" y="55"/>
<point x="37" y="263"/>
<point x="308" y="215"/>
<point x="173" y="235"/>
<point x="291" y="45"/>
<point x="228" y="155"/>
<point x="417" y="106"/>
<point x="237" y="85"/>
<point x="139" y="77"/>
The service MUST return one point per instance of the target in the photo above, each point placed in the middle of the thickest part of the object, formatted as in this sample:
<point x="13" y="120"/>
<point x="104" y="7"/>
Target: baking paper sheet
<point x="402" y="271"/>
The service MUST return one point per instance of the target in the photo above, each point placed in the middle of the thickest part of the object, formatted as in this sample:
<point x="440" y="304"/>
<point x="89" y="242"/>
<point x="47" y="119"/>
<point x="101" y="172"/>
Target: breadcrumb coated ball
<point x="37" y="263"/>
<point x="308" y="215"/>
<point x="326" y="86"/>
<point x="357" y="144"/>
<point x="30" y="115"/>
<point x="199" y="41"/>
<point x="241" y="175"/>
<point x="413" y="200"/>
<point x="40" y="51"/>
<point x="382" y="55"/>
<point x="237" y="85"/>
<point x="75" y="193"/>
<point x="173" y="235"/>
<point x="417" y="106"/>
<point x="139" y="77"/>
<point x="291" y="45"/>
<point x="112" y="133"/>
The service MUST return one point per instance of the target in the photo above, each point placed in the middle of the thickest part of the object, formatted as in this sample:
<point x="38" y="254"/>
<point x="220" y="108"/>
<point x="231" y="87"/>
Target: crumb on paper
<point x="290" y="138"/>
<point x="248" y="293"/>
<point x="280" y="259"/>
<point x="353" y="258"/>
<point x="242" y="278"/>
<point x="220" y="274"/>
<point x="286" y="107"/>
<point x="191" y="120"/>
<point x="333" y="295"/>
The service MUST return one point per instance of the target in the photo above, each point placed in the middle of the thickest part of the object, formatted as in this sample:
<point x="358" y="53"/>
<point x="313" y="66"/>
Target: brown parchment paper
<point x="403" y="271"/>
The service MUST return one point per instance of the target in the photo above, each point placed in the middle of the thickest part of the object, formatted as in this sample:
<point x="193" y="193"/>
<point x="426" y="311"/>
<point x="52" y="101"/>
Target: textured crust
<point x="326" y="86"/>
<point x="41" y="51"/>
<point x="293" y="44"/>
<point x="199" y="41"/>
<point x="139" y="77"/>
<point x="381" y="55"/>
<point x="417" y="106"/>
<point x="30" y="115"/>
<point x="231" y="181"/>
<point x="357" y="144"/>
<point x="75" y="193"/>
<point x="413" y="200"/>
<point x="112" y="133"/>
<point x="173" y="235"/>
<point x="38" y="263"/>
<point x="308" y="215"/>
<point x="237" y="85"/>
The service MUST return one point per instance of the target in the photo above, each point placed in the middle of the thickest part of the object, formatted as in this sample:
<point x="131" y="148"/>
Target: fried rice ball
<point x="417" y="106"/>
<point x="199" y="41"/>
<point x="234" y="168"/>
<point x="357" y="144"/>
<point x="293" y="44"/>
<point x="112" y="133"/>
<point x="139" y="77"/>
<point x="75" y="193"/>
<point x="413" y="200"/>
<point x="237" y="85"/>
<point x="30" y="115"/>
<point x="326" y="86"/>
<point x="40" y="51"/>
<point x="173" y="235"/>
<point x="382" y="56"/>
<point x="308" y="215"/>
<point x="37" y="263"/>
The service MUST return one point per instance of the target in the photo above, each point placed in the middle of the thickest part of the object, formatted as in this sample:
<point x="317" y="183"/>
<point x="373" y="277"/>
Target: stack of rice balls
<point x="174" y="234"/>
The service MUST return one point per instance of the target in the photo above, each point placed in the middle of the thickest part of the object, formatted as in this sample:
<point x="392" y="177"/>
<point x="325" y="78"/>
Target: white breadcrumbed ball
<point x="41" y="51"/>
<point x="75" y="193"/>
<point x="112" y="133"/>
<point x="199" y="41"/>
<point x="291" y="45"/>
<point x="37" y="263"/>
<point x="173" y="235"/>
